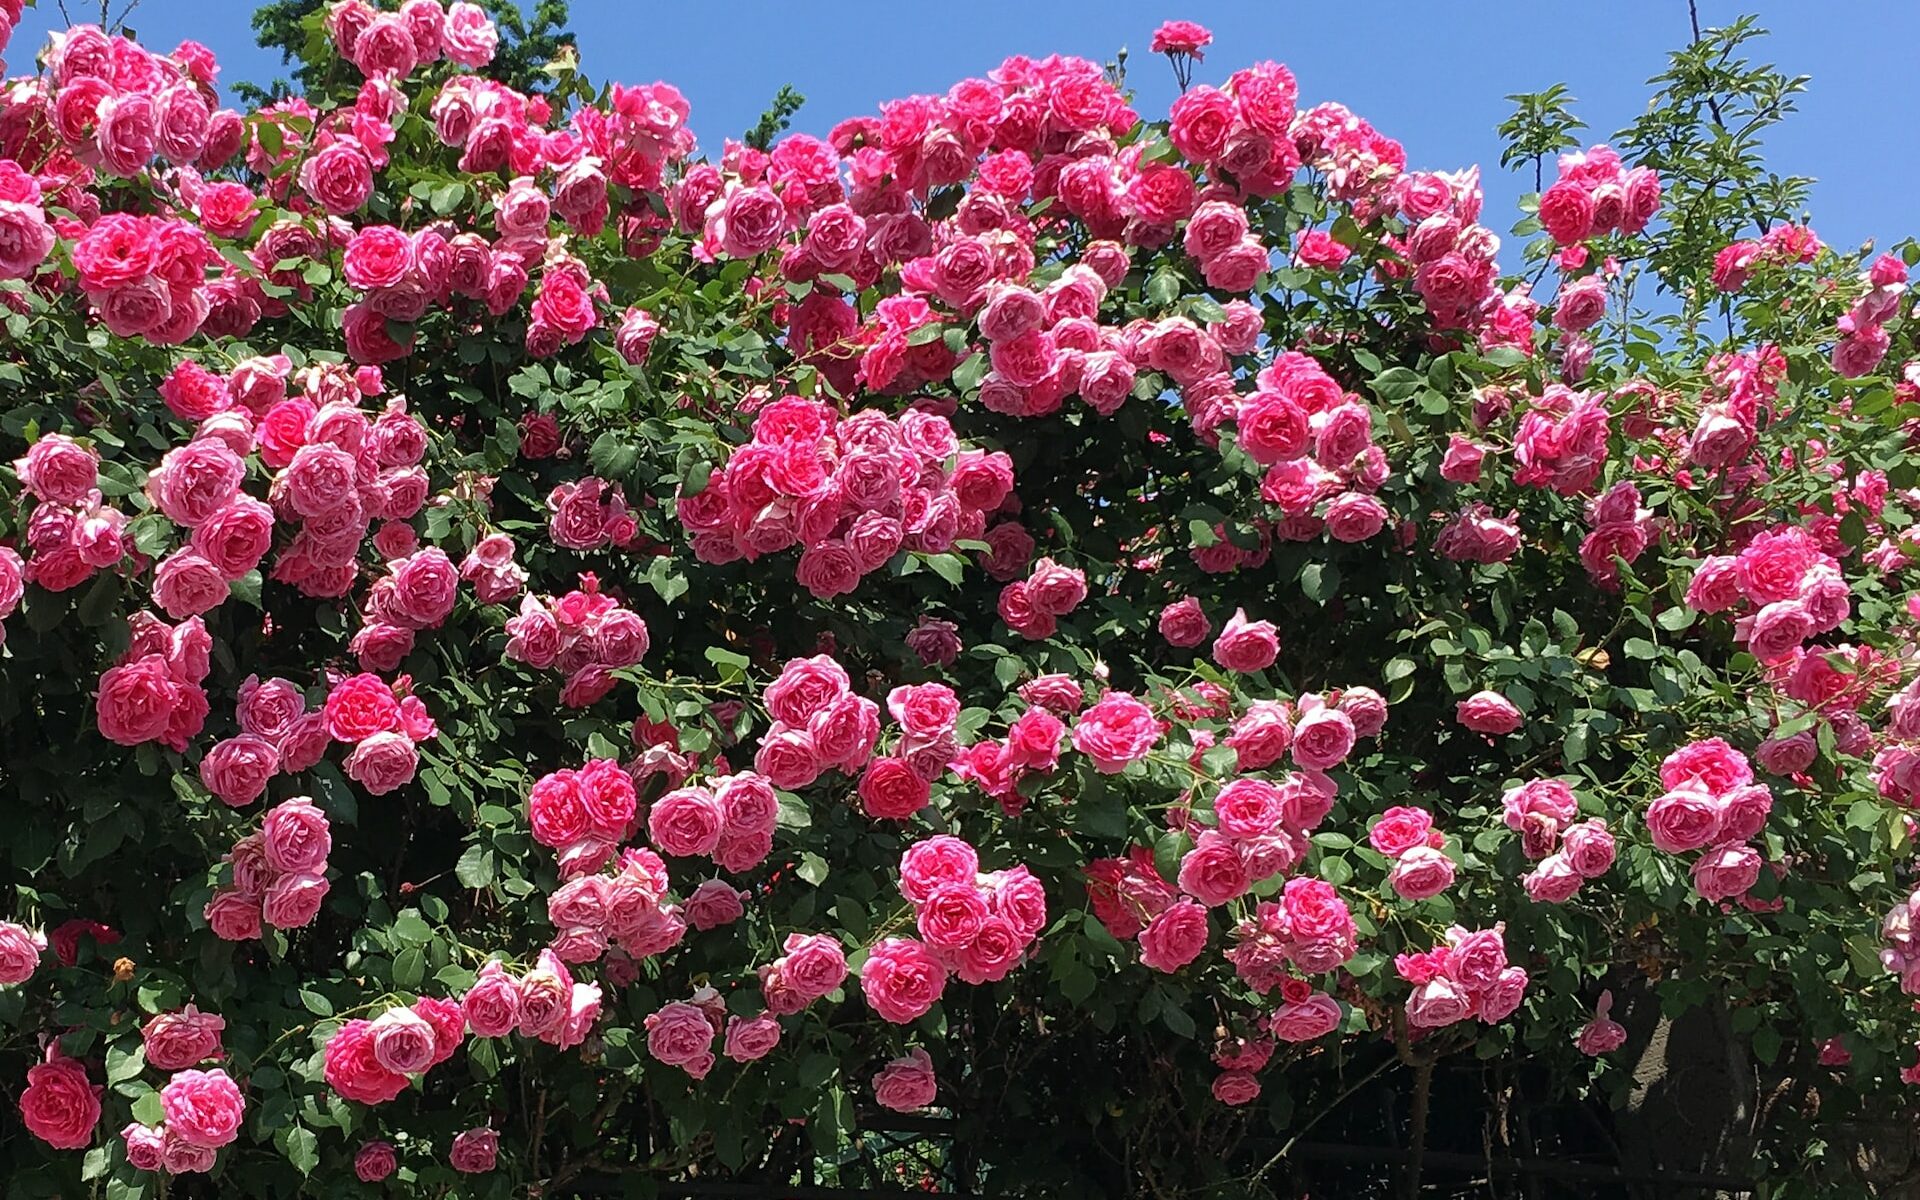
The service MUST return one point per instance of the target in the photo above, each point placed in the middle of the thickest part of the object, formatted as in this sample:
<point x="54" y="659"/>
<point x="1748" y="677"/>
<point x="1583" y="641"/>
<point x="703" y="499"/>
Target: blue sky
<point x="1432" y="75"/>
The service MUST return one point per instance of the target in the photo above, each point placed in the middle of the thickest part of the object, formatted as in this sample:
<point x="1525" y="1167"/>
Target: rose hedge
<point x="533" y="654"/>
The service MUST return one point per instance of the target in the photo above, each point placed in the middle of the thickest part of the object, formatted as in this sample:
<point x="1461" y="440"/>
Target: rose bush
<point x="1089" y="622"/>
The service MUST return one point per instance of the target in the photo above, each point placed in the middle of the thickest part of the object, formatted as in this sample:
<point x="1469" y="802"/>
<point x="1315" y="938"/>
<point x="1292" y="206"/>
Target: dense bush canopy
<point x="532" y="654"/>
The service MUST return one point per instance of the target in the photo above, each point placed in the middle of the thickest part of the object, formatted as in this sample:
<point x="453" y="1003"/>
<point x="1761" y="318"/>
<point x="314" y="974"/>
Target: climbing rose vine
<point x="534" y="652"/>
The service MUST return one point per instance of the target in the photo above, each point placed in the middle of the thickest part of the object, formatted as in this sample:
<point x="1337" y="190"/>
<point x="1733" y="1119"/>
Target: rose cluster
<point x="372" y="1062"/>
<point x="978" y="925"/>
<point x="278" y="734"/>
<point x="586" y="634"/>
<point x="155" y="693"/>
<point x="545" y="1003"/>
<point x="1784" y="587"/>
<point x="851" y="491"/>
<point x="279" y="874"/>
<point x="730" y="820"/>
<point x="1711" y="804"/>
<point x="72" y="532"/>
<point x="1466" y="978"/>
<point x="384" y="723"/>
<point x="819" y="725"/>
<point x="1421" y="866"/>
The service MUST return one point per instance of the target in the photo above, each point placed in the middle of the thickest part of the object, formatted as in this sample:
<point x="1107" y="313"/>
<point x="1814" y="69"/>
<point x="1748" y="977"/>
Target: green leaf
<point x="410" y="927"/>
<point x="124" y="1063"/>
<point x="1320" y="581"/>
<point x="409" y="968"/>
<point x="475" y="867"/>
<point x="812" y="868"/>
<point x="302" y="1148"/>
<point x="315" y="1003"/>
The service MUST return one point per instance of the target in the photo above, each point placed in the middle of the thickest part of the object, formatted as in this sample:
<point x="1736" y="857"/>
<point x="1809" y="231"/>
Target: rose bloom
<point x="20" y="950"/>
<point x="403" y="1041"/>
<point x="1399" y="830"/>
<point x="751" y="1038"/>
<point x="1174" y="937"/>
<point x="1488" y="712"/>
<point x="891" y="790"/>
<point x="713" y="904"/>
<point x="492" y="1004"/>
<point x="902" y="980"/>
<point x="375" y="1161"/>
<point x="1553" y="880"/>
<point x="1236" y="1088"/>
<point x="293" y="901"/>
<point x="1116" y="730"/>
<point x="1183" y="623"/>
<point x="1589" y="848"/>
<point x="474" y="1151"/>
<point x="1304" y="1020"/>
<point x="203" y="1107"/>
<point x="180" y="1039"/>
<point x="906" y="1084"/>
<point x="1322" y="738"/>
<point x="686" y="822"/>
<point x="59" y="1105"/>
<point x="940" y="859"/>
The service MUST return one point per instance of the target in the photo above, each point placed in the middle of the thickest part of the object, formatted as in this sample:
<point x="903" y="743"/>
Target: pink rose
<point x="59" y="1105"/>
<point x="1261" y="735"/>
<point x="1323" y="738"/>
<point x="492" y="1004"/>
<point x="1553" y="880"/>
<point x="293" y="901"/>
<point x="1054" y="589"/>
<point x="1501" y="997"/>
<point x="749" y="1039"/>
<point x="1399" y="830"/>
<point x="686" y="822"/>
<point x="137" y="700"/>
<point x="237" y="769"/>
<point x="891" y="790"/>
<point x="680" y="1035"/>
<point x="233" y="917"/>
<point x="1304" y="1020"/>
<point x="1213" y="871"/>
<point x="144" y="1146"/>
<point x="938" y="860"/>
<point x="906" y="1084"/>
<point x="202" y="1107"/>
<point x="20" y="950"/>
<point x="1589" y="848"/>
<point x="1727" y="871"/>
<point x="375" y="1161"/>
<point x="1437" y="1003"/>
<point x="1685" y="818"/>
<point x="474" y="1151"/>
<point x="901" y="980"/>
<point x="180" y="1039"/>
<point x="1601" y="1035"/>
<point x="58" y="470"/>
<point x="1115" y="731"/>
<point x="403" y="1041"/>
<point x="383" y="762"/>
<point x="1183" y="623"/>
<point x="1174" y="937"/>
<point x="1488" y="712"/>
<point x="1236" y="1088"/>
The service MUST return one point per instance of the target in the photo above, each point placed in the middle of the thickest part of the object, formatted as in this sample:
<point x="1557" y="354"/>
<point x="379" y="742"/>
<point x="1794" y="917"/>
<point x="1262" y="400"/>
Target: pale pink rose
<point x="1420" y="873"/>
<point x="1489" y="712"/>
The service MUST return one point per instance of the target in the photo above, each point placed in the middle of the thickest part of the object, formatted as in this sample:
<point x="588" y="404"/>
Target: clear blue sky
<point x="1431" y="74"/>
